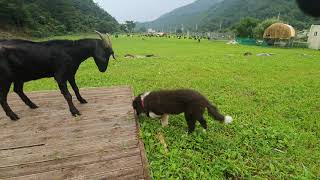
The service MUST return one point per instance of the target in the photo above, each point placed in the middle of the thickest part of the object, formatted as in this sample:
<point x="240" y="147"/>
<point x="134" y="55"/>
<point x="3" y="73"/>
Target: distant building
<point x="160" y="34"/>
<point x="314" y="37"/>
<point x="150" y="30"/>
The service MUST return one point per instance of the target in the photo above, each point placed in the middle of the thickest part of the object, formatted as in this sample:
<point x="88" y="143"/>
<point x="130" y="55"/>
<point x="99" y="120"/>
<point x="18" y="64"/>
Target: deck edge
<point x="144" y="159"/>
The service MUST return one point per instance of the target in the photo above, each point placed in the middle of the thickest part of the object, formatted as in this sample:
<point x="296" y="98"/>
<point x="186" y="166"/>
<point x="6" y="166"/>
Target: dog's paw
<point x="165" y="125"/>
<point x="204" y="131"/>
<point x="228" y="120"/>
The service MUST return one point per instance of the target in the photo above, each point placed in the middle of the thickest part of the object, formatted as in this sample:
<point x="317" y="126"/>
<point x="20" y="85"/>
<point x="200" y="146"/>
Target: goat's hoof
<point x="75" y="112"/>
<point x="13" y="116"/>
<point x="33" y="106"/>
<point x="83" y="101"/>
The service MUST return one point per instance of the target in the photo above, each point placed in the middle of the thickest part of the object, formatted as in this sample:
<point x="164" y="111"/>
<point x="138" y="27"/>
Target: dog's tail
<point x="214" y="112"/>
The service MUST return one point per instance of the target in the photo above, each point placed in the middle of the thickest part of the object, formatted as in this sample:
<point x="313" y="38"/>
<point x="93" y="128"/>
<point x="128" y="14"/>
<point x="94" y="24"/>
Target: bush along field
<point x="274" y="100"/>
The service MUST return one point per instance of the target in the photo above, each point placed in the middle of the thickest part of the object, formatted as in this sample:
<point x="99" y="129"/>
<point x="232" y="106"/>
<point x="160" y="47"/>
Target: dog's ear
<point x="137" y="105"/>
<point x="135" y="102"/>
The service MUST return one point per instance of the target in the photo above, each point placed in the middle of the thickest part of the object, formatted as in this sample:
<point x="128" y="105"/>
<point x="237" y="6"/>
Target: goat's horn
<point x="104" y="40"/>
<point x="109" y="39"/>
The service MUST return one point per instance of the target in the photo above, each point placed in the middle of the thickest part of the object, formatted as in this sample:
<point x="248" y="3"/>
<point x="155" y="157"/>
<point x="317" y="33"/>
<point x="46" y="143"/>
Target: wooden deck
<point x="48" y="143"/>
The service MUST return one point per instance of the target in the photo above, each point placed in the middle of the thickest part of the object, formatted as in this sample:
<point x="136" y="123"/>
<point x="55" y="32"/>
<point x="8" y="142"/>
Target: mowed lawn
<point x="275" y="103"/>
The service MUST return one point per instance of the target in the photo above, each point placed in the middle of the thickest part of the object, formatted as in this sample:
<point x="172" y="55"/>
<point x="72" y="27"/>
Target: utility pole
<point x="279" y="16"/>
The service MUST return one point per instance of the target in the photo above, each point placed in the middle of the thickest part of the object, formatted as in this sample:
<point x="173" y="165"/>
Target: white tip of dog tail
<point x="228" y="119"/>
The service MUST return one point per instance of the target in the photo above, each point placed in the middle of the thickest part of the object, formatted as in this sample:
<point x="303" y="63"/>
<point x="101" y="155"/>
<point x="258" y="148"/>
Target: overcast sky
<point x="140" y="10"/>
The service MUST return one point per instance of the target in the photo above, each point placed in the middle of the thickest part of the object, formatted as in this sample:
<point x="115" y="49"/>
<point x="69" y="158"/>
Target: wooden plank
<point x="123" y="174"/>
<point x="58" y="102"/>
<point x="48" y="99"/>
<point x="63" y="163"/>
<point x="80" y="171"/>
<point x="60" y="108"/>
<point x="54" y="100"/>
<point x="63" y="149"/>
<point x="37" y="118"/>
<point x="110" y="91"/>
<point x="38" y="125"/>
<point x="43" y="134"/>
<point x="75" y="137"/>
<point x="48" y="143"/>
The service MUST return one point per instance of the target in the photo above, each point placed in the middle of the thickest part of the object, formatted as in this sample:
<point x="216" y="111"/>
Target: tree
<point x="179" y="31"/>
<point x="142" y="29"/>
<point x="47" y="17"/>
<point x="130" y="25"/>
<point x="245" y="27"/>
<point x="123" y="28"/>
<point x="14" y="13"/>
<point x="261" y="27"/>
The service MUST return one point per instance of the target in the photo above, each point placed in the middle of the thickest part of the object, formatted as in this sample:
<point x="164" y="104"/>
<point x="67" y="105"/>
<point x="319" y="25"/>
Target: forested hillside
<point x="230" y="12"/>
<point x="188" y="15"/>
<point x="210" y="15"/>
<point x="54" y="17"/>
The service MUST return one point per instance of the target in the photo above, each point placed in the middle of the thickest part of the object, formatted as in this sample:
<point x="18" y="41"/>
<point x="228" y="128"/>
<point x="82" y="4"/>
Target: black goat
<point x="22" y="61"/>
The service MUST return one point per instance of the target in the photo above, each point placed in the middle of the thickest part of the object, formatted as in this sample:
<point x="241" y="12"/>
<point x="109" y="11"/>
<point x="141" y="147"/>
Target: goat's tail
<point x="214" y="112"/>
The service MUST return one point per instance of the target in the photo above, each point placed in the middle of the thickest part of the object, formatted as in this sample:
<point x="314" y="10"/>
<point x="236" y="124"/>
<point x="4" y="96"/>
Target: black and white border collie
<point x="159" y="104"/>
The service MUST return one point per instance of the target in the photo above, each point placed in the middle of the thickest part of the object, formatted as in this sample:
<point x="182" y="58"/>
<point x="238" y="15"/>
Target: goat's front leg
<point x="4" y="90"/>
<point x="18" y="88"/>
<point x="75" y="88"/>
<point x="65" y="92"/>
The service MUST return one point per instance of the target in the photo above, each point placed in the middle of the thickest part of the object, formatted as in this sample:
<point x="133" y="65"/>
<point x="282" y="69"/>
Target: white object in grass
<point x="228" y="120"/>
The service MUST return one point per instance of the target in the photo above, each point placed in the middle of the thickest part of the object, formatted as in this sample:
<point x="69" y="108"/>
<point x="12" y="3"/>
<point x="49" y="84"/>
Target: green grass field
<point x="275" y="103"/>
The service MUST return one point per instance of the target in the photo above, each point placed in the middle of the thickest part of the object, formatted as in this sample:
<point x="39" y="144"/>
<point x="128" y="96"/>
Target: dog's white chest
<point x="153" y="115"/>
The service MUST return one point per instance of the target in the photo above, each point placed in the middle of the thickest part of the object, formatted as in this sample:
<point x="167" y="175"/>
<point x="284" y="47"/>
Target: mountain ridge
<point x="188" y="15"/>
<point x="210" y="15"/>
<point x="230" y="12"/>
